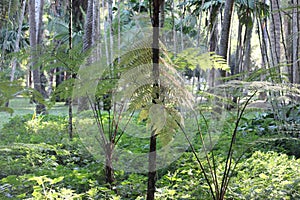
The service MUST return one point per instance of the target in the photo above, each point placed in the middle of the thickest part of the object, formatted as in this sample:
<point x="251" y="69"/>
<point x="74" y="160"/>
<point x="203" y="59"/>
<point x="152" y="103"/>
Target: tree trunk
<point x="162" y="13"/>
<point x="87" y="44"/>
<point x="213" y="40"/>
<point x="238" y="51"/>
<point x="109" y="172"/>
<point x="295" y="43"/>
<point x="226" y="24"/>
<point x="71" y="74"/>
<point x="59" y="78"/>
<point x="155" y="71"/>
<point x="247" y="49"/>
<point x="288" y="33"/>
<point x="275" y="31"/>
<point x="35" y="34"/>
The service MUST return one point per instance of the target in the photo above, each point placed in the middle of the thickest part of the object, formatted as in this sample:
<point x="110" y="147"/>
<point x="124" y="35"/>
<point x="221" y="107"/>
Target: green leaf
<point x="192" y="58"/>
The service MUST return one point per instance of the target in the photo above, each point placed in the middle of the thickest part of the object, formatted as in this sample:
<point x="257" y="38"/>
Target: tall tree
<point x="295" y="42"/>
<point x="226" y="24"/>
<point x="35" y="34"/>
<point x="155" y="98"/>
<point x="90" y="39"/>
<point x="275" y="34"/>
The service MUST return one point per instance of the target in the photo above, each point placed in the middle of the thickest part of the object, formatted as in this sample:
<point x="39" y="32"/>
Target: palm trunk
<point x="238" y="51"/>
<point x="213" y="40"/>
<point x="295" y="38"/>
<point x="87" y="44"/>
<point x="275" y="32"/>
<point x="226" y="24"/>
<point x="35" y="24"/>
<point x="247" y="51"/>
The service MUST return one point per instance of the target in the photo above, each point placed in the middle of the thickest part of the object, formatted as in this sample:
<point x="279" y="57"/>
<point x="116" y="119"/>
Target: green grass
<point x="22" y="106"/>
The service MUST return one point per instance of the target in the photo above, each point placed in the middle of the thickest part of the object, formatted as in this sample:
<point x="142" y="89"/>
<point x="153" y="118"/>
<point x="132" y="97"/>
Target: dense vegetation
<point x="38" y="161"/>
<point x="149" y="99"/>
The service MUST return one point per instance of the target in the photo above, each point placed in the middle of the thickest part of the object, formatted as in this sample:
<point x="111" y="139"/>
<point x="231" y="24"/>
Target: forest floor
<point x="22" y="106"/>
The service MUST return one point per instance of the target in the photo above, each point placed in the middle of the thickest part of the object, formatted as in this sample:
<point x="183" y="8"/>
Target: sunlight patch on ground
<point x="22" y="106"/>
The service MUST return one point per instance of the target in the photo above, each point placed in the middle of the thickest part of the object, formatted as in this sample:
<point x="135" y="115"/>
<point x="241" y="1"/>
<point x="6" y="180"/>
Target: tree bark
<point x="213" y="40"/>
<point x="87" y="44"/>
<point x="71" y="74"/>
<point x="275" y="31"/>
<point x="226" y="24"/>
<point x="155" y="71"/>
<point x="295" y="43"/>
<point x="35" y="34"/>
<point x="247" y="51"/>
<point x="109" y="171"/>
<point x="162" y="13"/>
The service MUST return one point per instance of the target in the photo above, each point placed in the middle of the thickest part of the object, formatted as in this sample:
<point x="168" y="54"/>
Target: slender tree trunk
<point x="35" y="25"/>
<point x="238" y="51"/>
<point x="155" y="61"/>
<point x="289" y="48"/>
<point x="59" y="78"/>
<point x="162" y="13"/>
<point x="111" y="29"/>
<point x="182" y="12"/>
<point x="295" y="43"/>
<point x="174" y="29"/>
<point x="213" y="40"/>
<point x="247" y="50"/>
<point x="71" y="74"/>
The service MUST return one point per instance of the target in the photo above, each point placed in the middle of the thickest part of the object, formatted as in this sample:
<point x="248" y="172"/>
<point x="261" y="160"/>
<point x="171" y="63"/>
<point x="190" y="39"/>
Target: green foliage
<point x="28" y="128"/>
<point x="32" y="169"/>
<point x="192" y="58"/>
<point x="133" y="186"/>
<point x="8" y="90"/>
<point x="8" y="40"/>
<point x="4" y="8"/>
<point x="44" y="189"/>
<point x="267" y="176"/>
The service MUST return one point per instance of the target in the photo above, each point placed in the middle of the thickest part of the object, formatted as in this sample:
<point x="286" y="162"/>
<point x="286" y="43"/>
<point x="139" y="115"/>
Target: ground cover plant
<point x="38" y="161"/>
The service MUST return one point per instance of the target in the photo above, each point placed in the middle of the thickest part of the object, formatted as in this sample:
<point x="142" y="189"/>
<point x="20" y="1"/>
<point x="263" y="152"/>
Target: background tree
<point x="36" y="36"/>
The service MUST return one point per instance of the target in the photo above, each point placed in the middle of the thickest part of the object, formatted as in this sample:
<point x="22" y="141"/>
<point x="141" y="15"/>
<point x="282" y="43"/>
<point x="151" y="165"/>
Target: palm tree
<point x="226" y="25"/>
<point x="295" y="42"/>
<point x="35" y="34"/>
<point x="275" y="33"/>
<point x="90" y="39"/>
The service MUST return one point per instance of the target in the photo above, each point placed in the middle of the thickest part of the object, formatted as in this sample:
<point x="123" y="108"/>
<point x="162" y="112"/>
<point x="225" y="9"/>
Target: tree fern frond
<point x="192" y="58"/>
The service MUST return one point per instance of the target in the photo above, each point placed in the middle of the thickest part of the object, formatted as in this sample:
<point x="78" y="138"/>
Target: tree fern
<point x="135" y="86"/>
